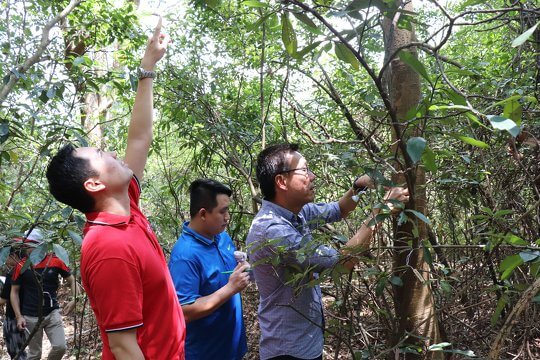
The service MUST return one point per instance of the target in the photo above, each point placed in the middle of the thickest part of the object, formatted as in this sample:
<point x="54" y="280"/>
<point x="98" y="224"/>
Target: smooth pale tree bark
<point x="415" y="308"/>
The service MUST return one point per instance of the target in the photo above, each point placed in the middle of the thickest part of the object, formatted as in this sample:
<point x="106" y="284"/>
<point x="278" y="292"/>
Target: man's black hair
<point x="203" y="194"/>
<point x="66" y="174"/>
<point x="271" y="162"/>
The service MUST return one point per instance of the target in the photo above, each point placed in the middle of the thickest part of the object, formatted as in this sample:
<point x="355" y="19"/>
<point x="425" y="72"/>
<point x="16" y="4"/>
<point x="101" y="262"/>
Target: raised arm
<point x="140" y="126"/>
<point x="361" y="241"/>
<point x="346" y="203"/>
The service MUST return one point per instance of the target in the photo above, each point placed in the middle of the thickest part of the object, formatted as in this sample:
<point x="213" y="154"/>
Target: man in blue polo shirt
<point x="208" y="279"/>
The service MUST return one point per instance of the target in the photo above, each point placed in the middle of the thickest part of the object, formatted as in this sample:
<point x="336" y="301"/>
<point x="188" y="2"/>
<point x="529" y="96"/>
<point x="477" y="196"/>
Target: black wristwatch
<point x="143" y="74"/>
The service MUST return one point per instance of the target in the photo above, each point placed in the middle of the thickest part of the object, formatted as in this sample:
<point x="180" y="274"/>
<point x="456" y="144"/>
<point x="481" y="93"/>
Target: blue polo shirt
<point x="196" y="267"/>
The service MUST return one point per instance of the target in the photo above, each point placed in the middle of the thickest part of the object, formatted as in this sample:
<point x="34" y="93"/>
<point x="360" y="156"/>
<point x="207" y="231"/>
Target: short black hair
<point x="66" y="174"/>
<point x="203" y="194"/>
<point x="271" y="162"/>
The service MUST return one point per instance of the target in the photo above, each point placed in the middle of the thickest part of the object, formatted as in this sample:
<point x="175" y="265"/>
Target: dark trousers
<point x="13" y="338"/>
<point x="288" y="357"/>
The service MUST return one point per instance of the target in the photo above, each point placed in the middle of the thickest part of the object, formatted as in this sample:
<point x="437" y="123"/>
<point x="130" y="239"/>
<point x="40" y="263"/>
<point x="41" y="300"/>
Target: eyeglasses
<point x="304" y="171"/>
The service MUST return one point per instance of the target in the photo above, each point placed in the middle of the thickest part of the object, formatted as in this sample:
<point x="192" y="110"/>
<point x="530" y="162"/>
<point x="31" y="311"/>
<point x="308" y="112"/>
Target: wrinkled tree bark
<point x="415" y="308"/>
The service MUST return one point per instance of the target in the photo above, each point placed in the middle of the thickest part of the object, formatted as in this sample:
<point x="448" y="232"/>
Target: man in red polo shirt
<point x="122" y="265"/>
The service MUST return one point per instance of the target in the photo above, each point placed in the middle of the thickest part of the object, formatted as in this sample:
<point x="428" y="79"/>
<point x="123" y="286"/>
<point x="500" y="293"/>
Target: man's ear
<point x="281" y="182"/>
<point x="93" y="185"/>
<point x="202" y="213"/>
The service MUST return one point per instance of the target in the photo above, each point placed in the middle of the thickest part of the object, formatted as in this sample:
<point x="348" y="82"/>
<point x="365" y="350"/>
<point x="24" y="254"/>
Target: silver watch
<point x="143" y="74"/>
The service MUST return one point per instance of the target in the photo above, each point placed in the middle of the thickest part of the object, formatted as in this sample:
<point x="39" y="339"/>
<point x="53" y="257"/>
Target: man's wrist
<point x="145" y="74"/>
<point x="358" y="186"/>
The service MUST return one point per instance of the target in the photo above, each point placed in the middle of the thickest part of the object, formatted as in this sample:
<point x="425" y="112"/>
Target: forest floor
<point x="524" y="343"/>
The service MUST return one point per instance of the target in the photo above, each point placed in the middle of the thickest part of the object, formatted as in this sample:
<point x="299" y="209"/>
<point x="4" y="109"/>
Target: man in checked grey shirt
<point x="280" y="239"/>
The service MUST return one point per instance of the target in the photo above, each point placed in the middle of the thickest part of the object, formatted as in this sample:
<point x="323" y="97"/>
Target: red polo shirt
<point x="125" y="275"/>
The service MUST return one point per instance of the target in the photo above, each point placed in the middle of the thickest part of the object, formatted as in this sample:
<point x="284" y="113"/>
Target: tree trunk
<point x="415" y="308"/>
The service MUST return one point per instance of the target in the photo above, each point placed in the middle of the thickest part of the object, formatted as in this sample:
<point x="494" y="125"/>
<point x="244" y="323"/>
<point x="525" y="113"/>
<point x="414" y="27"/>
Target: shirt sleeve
<point x="317" y="215"/>
<point x="116" y="288"/>
<point x="186" y="277"/>
<point x="294" y="248"/>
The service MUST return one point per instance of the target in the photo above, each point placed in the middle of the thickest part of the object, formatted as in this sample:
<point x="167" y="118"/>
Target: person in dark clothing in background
<point x="13" y="337"/>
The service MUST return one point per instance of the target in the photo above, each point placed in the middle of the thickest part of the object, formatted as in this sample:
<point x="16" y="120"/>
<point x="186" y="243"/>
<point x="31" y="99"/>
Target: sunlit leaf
<point x="254" y="3"/>
<point x="523" y="37"/>
<point x="502" y="123"/>
<point x="473" y="142"/>
<point x="428" y="158"/>
<point x="439" y="346"/>
<point x="515" y="240"/>
<point x="288" y="36"/>
<point x="529" y="256"/>
<point x="509" y="264"/>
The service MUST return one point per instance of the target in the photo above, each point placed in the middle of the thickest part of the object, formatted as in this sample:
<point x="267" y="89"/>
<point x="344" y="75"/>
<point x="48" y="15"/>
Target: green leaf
<point x="38" y="254"/>
<point x="254" y="4"/>
<point x="75" y="237"/>
<point x="300" y="54"/>
<point x="4" y="253"/>
<point x="513" y="110"/>
<point x="428" y="158"/>
<point x="396" y="280"/>
<point x="523" y="37"/>
<point x="473" y="142"/>
<point x="501" y="213"/>
<point x="360" y="4"/>
<point x="448" y="107"/>
<point x="498" y="310"/>
<point x="438" y="347"/>
<point x="502" y="123"/>
<point x="415" y="148"/>
<point x="419" y="215"/>
<point x="288" y="36"/>
<point x="411" y="60"/>
<point x="344" y="54"/>
<point x="446" y="287"/>
<point x="515" y="240"/>
<point x="508" y="265"/>
<point x="529" y="256"/>
<point x="308" y="22"/>
<point x="381" y="284"/>
<point x="402" y="218"/>
<point x="427" y="253"/>
<point x="61" y="253"/>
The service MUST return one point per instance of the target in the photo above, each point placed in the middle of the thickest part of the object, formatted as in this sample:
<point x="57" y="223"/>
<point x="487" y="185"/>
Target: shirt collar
<point x="186" y="229"/>
<point x="105" y="218"/>
<point x="281" y="211"/>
